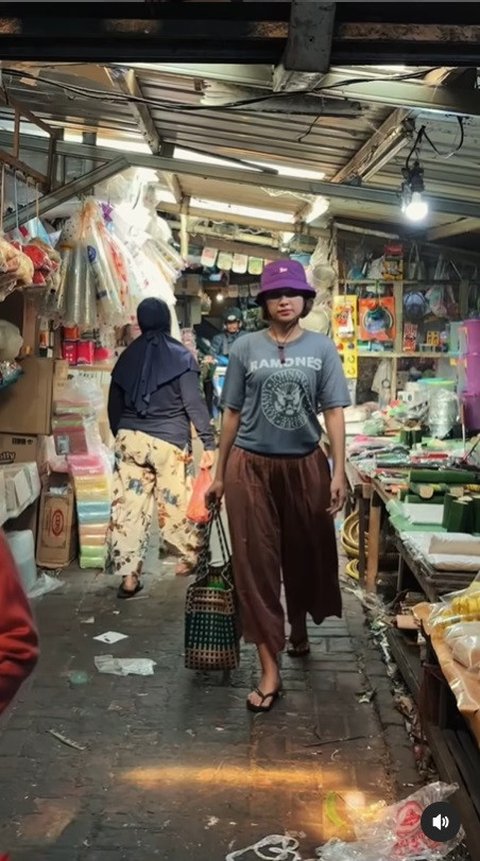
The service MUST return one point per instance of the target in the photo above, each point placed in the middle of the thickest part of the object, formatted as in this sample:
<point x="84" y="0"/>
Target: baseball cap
<point x="284" y="275"/>
<point x="232" y="315"/>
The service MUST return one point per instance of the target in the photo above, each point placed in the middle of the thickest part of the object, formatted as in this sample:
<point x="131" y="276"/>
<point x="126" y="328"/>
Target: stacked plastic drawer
<point x="92" y="478"/>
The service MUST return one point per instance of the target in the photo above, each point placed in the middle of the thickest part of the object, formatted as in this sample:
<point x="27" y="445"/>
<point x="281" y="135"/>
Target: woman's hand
<point x="207" y="460"/>
<point x="214" y="494"/>
<point x="338" y="493"/>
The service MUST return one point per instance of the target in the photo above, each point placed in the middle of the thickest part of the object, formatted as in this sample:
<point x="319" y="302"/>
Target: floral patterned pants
<point x="149" y="471"/>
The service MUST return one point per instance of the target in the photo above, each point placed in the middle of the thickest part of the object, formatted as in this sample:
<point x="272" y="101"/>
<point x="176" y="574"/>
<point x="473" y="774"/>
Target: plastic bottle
<point x="22" y="546"/>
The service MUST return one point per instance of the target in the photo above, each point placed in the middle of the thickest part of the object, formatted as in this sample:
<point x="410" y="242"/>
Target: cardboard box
<point x="23" y="448"/>
<point x="26" y="407"/>
<point x="57" y="526"/>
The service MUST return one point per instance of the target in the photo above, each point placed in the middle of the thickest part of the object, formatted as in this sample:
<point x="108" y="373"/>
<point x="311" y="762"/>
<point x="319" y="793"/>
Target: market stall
<point x="69" y="301"/>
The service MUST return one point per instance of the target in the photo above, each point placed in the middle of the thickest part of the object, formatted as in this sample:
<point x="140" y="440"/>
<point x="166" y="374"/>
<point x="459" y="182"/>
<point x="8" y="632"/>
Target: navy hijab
<point x="153" y="359"/>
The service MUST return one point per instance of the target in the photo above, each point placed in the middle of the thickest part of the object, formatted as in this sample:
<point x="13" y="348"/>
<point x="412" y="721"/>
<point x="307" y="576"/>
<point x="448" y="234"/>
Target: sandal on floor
<point x="273" y="697"/>
<point x="129" y="593"/>
<point x="301" y="650"/>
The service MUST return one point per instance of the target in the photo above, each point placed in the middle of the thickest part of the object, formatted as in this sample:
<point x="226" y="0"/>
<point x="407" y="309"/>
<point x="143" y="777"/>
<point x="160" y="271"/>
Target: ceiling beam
<point x="246" y="245"/>
<point x="173" y="185"/>
<point x="391" y="136"/>
<point x="228" y="218"/>
<point x="126" y="81"/>
<point x="309" y="45"/>
<point x="382" y="146"/>
<point x="383" y="196"/>
<point x="459" y="101"/>
<point x="454" y="228"/>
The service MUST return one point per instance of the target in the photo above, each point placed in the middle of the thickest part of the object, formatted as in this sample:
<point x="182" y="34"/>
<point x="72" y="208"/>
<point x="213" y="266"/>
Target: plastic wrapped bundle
<point x="92" y="477"/>
<point x="79" y="397"/>
<point x="54" y="303"/>
<point x="103" y="266"/>
<point x="80" y="300"/>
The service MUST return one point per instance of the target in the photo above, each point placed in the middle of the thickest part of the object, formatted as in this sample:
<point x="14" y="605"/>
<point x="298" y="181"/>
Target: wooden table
<point x="379" y="498"/>
<point x="416" y="572"/>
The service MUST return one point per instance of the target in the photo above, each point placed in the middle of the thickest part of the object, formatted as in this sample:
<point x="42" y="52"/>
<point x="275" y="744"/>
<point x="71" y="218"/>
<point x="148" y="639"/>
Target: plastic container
<point x="469" y="335"/>
<point x="71" y="333"/>
<point x="468" y="369"/>
<point x="22" y="547"/>
<point x="471" y="411"/>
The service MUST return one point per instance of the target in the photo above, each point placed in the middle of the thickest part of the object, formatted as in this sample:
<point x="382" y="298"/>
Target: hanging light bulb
<point x="414" y="205"/>
<point x="219" y="297"/>
<point x="417" y="208"/>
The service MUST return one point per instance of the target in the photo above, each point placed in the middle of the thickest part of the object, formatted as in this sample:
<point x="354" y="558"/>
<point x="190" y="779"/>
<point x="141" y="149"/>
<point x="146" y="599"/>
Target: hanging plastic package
<point x="100" y="260"/>
<point x="75" y="278"/>
<point x="121" y="265"/>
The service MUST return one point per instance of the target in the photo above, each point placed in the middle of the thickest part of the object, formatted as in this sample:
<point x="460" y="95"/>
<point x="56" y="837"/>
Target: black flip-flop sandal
<point x="299" y="651"/>
<point x="129" y="593"/>
<point x="273" y="696"/>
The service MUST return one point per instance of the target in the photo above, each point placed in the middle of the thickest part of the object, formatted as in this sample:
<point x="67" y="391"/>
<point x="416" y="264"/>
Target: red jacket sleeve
<point x="18" y="636"/>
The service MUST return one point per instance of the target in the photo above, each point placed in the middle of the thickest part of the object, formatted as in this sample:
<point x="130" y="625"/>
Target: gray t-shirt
<point x="279" y="403"/>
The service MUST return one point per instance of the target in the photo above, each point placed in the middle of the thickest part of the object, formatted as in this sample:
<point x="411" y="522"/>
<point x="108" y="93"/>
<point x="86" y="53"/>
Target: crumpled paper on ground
<point x="124" y="666"/>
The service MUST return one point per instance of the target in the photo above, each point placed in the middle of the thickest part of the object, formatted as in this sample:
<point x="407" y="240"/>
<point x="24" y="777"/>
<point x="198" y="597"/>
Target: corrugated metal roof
<point x="323" y="143"/>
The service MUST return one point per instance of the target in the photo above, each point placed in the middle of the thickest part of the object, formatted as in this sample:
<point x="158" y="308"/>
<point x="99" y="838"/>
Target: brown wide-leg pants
<point x="280" y="529"/>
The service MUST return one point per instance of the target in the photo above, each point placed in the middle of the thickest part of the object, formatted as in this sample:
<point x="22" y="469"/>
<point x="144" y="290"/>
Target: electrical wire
<point x="121" y="98"/>
<point x="423" y="135"/>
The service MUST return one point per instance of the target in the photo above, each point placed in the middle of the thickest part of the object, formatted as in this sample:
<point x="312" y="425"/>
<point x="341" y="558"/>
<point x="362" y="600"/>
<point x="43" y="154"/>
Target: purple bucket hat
<point x="284" y="275"/>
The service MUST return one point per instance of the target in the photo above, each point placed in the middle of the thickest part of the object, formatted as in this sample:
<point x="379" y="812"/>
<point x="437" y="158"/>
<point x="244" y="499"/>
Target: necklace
<point x="282" y="344"/>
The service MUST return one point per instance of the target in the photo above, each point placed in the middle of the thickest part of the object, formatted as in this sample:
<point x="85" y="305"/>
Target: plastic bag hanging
<point x="100" y="260"/>
<point x="197" y="511"/>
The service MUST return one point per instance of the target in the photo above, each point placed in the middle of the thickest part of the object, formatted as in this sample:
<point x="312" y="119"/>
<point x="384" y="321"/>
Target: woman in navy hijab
<point x="154" y="399"/>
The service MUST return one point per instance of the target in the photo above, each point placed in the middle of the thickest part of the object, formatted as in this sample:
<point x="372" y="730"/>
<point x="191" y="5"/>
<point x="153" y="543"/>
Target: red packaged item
<point x="70" y="352"/>
<point x="85" y="352"/>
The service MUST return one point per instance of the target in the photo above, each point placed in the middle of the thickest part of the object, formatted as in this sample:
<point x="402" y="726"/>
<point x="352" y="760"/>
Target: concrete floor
<point x="174" y="766"/>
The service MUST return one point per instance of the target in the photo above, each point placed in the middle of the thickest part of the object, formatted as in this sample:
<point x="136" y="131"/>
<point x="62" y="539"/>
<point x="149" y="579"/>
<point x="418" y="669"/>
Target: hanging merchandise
<point x="16" y="269"/>
<point x="225" y="261"/>
<point x="153" y="265"/>
<point x="209" y="257"/>
<point x="11" y="341"/>
<point x="377" y="319"/>
<point x="10" y="372"/>
<point x="382" y="383"/>
<point x="240" y="264"/>
<point x="393" y="262"/>
<point x="344" y="328"/>
<point x="255" y="265"/>
<point x="410" y="337"/>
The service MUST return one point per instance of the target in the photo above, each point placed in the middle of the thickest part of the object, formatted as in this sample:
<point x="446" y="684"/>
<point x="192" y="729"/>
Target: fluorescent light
<point x="298" y="172"/>
<point x="318" y="207"/>
<point x="189" y="155"/>
<point x="287" y="237"/>
<point x="248" y="211"/>
<point x="282" y="169"/>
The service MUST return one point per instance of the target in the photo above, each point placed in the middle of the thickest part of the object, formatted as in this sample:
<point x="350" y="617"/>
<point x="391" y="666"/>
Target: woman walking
<point x="279" y="494"/>
<point x="154" y="398"/>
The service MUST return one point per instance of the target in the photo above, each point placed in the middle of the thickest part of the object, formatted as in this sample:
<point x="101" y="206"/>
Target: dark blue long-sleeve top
<point x="173" y="408"/>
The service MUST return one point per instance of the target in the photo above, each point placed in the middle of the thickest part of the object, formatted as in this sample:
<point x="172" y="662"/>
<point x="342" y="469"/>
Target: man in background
<point x="232" y="330"/>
